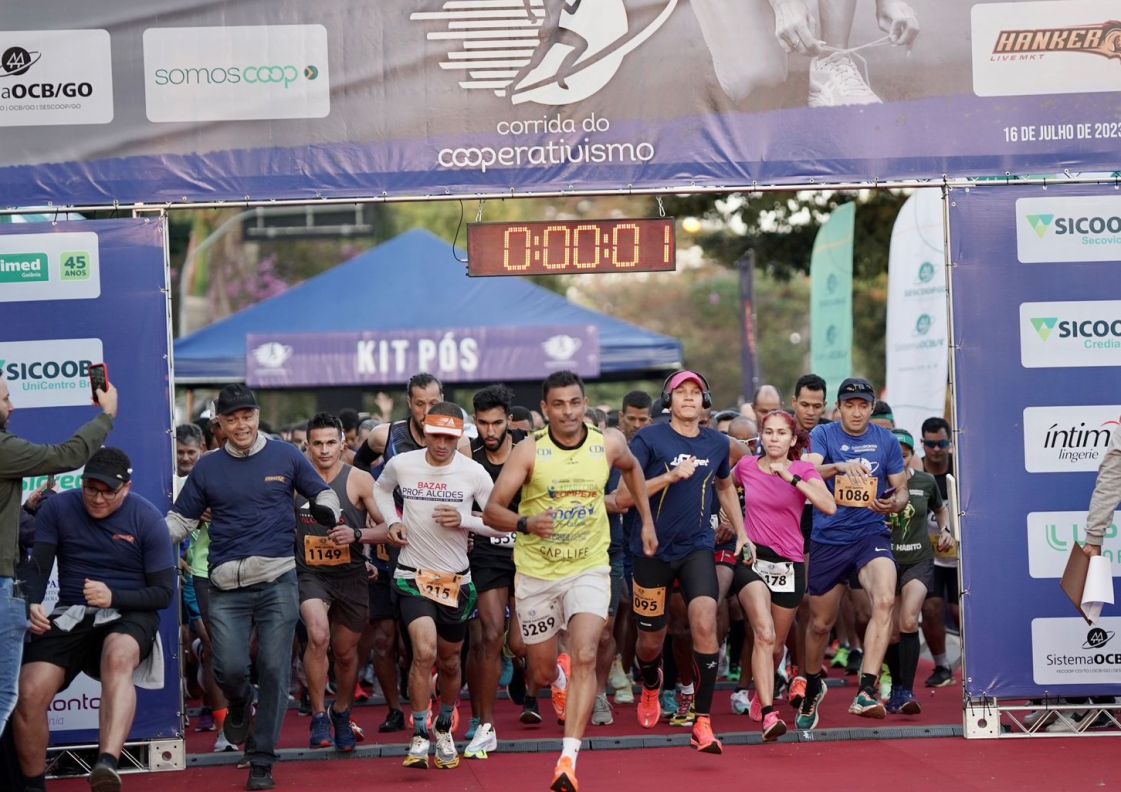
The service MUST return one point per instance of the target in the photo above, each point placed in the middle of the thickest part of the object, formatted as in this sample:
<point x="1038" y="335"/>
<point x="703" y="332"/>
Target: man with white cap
<point x="432" y="584"/>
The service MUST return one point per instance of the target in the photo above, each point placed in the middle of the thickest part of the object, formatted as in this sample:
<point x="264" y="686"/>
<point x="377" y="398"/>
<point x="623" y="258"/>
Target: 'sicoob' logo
<point x="552" y="52"/>
<point x="16" y="61"/>
<point x="1040" y="223"/>
<point x="1044" y="326"/>
<point x="1097" y="638"/>
<point x="1103" y="39"/>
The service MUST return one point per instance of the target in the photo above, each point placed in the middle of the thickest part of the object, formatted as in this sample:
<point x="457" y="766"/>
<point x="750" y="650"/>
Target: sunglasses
<point x="936" y="443"/>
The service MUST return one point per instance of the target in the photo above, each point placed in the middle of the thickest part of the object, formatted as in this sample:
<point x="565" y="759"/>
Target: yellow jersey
<point x="570" y="482"/>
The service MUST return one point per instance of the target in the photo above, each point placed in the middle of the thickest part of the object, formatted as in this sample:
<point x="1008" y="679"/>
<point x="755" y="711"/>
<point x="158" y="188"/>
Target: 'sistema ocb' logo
<point x="1101" y="39"/>
<point x="16" y="61"/>
<point x="1097" y="638"/>
<point x="552" y="52"/>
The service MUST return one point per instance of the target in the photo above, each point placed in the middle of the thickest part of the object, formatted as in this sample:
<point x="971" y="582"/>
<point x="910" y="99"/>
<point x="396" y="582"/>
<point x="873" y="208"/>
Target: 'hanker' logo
<point x="552" y="52"/>
<point x="1102" y="39"/>
<point x="1040" y="223"/>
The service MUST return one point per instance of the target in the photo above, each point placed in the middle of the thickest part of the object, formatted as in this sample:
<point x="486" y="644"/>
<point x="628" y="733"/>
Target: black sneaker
<point x="856" y="658"/>
<point x="530" y="714"/>
<point x="516" y="688"/>
<point x="305" y="705"/>
<point x="394" y="722"/>
<point x="236" y="727"/>
<point x="104" y="778"/>
<point x="941" y="677"/>
<point x="260" y="777"/>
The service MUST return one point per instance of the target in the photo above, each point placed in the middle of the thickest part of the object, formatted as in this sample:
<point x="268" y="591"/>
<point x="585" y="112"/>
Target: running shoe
<point x="686" y="714"/>
<point x="840" y="657"/>
<point x="617" y="678"/>
<point x="222" y="745"/>
<point x="866" y="706"/>
<point x="564" y="776"/>
<point x="560" y="697"/>
<point x="648" y="709"/>
<point x="856" y="659"/>
<point x="835" y="80"/>
<point x="703" y="739"/>
<point x="417" y="756"/>
<point x="320" y="732"/>
<point x="345" y="738"/>
<point x="507" y="671"/>
<point x="668" y="703"/>
<point x="483" y="742"/>
<point x="601" y="712"/>
<point x="941" y="677"/>
<point x="360" y="693"/>
<point x="394" y="722"/>
<point x="472" y="728"/>
<point x="305" y="705"/>
<point x="908" y="704"/>
<point x="447" y="756"/>
<point x="624" y="695"/>
<point x="773" y="727"/>
<point x="741" y="702"/>
<point x="886" y="686"/>
<point x="734" y="674"/>
<point x="104" y="778"/>
<point x="531" y="715"/>
<point x="260" y="777"/>
<point x="359" y="732"/>
<point x="206" y="721"/>
<point x="236" y="725"/>
<point x="797" y="691"/>
<point x="809" y="714"/>
<point x="755" y="711"/>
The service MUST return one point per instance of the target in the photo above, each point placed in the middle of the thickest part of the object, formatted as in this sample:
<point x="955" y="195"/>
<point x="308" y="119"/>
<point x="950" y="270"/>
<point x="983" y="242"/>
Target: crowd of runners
<point x="617" y="562"/>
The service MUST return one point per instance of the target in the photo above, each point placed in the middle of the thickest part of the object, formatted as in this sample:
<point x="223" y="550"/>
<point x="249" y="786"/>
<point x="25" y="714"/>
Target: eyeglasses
<point x="936" y="443"/>
<point x="95" y="492"/>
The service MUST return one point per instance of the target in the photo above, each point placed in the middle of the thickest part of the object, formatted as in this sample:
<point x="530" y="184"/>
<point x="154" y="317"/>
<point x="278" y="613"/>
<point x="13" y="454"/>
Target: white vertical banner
<point x="917" y="316"/>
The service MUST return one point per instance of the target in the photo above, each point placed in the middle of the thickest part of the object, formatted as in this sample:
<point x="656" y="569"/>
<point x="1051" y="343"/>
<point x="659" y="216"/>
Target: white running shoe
<point x="601" y="713"/>
<point x="418" y="753"/>
<point x="741" y="702"/>
<point x="617" y="678"/>
<point x="221" y="745"/>
<point x="447" y="756"/>
<point x="835" y="81"/>
<point x="484" y="741"/>
<point x="624" y="695"/>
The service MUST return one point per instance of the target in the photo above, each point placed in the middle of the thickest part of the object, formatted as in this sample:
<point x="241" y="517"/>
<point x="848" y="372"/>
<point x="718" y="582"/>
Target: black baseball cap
<point x="235" y="397"/>
<point x="110" y="466"/>
<point x="856" y="388"/>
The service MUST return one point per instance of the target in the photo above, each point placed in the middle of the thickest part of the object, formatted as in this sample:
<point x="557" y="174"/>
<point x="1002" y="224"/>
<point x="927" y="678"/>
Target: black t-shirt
<point x="499" y="544"/>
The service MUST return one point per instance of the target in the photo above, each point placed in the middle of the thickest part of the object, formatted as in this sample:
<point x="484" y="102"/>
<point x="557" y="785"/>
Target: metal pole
<point x="749" y="367"/>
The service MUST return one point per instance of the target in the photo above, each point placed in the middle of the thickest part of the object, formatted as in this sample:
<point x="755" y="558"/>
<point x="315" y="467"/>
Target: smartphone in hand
<point x="99" y="379"/>
<point x="890" y="491"/>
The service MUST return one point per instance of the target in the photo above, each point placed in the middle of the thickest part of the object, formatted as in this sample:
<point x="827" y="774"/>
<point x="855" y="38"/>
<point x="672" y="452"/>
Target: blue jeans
<point x="273" y="609"/>
<point x="13" y="625"/>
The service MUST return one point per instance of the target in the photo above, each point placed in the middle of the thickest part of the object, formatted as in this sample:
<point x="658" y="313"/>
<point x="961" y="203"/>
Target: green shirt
<point x="910" y="539"/>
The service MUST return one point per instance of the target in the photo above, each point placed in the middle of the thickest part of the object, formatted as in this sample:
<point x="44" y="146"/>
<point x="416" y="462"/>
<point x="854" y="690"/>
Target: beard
<point x="500" y="441"/>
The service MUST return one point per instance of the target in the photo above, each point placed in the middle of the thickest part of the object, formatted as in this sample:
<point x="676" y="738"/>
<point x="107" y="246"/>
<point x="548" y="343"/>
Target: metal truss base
<point x="138" y="757"/>
<point x="988" y="719"/>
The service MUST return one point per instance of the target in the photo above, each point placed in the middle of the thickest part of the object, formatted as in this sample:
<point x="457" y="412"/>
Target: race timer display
<point x="571" y="247"/>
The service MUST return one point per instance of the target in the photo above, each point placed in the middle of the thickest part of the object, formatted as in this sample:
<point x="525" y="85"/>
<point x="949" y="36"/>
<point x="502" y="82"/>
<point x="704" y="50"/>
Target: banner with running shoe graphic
<point x="280" y="99"/>
<point x="74" y="294"/>
<point x="1036" y="359"/>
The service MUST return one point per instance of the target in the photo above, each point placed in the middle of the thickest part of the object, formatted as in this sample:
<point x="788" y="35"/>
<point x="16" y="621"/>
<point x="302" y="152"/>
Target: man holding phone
<point x="20" y="458"/>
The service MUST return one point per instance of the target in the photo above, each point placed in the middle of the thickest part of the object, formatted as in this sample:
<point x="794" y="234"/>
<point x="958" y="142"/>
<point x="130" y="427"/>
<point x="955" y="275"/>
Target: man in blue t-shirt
<point x="863" y="468"/>
<point x="116" y="571"/>
<point x="687" y="469"/>
<point x="248" y="486"/>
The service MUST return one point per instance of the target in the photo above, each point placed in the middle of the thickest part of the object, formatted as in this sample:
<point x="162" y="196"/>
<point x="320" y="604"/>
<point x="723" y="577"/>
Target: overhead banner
<point x="917" y="318"/>
<point x="265" y="99"/>
<point x="461" y="354"/>
<point x="73" y="294"/>
<point x="1037" y="329"/>
<point x="831" y="296"/>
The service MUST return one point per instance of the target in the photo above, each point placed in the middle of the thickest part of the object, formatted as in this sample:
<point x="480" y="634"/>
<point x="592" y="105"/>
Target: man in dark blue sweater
<point x="116" y="571"/>
<point x="248" y="486"/>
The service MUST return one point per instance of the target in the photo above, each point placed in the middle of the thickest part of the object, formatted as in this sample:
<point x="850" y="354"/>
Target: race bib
<point x="851" y="493"/>
<point x="381" y="552"/>
<point x="649" y="601"/>
<point x="504" y="541"/>
<point x="321" y="551"/>
<point x="440" y="587"/>
<point x="778" y="575"/>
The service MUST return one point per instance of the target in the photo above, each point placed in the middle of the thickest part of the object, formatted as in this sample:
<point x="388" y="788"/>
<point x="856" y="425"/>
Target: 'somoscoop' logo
<point x="266" y="75"/>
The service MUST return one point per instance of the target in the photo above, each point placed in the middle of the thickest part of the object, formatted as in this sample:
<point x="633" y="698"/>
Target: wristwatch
<point x="358" y="535"/>
<point x="523" y="525"/>
<point x="795" y="479"/>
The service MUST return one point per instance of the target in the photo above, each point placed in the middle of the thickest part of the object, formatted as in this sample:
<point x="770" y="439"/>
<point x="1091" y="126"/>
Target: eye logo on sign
<point x="272" y="355"/>
<point x="561" y="347"/>
<point x="552" y="52"/>
<point x="1040" y="223"/>
<point x="1044" y="326"/>
<point x="16" y="61"/>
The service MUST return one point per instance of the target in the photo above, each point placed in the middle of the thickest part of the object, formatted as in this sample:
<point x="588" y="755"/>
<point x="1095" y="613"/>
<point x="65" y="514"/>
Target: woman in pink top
<point x="775" y="488"/>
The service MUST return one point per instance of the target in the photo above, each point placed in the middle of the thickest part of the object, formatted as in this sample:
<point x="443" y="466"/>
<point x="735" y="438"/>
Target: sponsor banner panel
<point x="46" y="346"/>
<point x="1085" y="228"/>
<point x="465" y="354"/>
<point x="831" y="297"/>
<point x="418" y="98"/>
<point x="49" y="267"/>
<point x="1070" y="652"/>
<point x="1036" y="410"/>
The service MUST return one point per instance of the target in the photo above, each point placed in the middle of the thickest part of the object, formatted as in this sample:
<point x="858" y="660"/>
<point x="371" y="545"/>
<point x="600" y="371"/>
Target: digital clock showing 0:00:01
<point x="571" y="248"/>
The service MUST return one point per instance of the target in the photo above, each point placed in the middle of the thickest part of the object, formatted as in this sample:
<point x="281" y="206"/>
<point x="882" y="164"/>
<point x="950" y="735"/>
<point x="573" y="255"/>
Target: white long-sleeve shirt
<point x="1107" y="492"/>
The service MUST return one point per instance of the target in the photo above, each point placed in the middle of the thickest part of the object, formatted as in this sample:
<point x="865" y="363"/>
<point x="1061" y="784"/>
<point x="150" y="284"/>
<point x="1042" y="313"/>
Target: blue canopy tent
<point x="412" y="282"/>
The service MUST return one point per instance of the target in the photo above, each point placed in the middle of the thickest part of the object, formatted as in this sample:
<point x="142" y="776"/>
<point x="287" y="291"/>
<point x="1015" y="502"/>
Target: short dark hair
<point x="325" y="420"/>
<point x="560" y="379"/>
<point x="639" y="399"/>
<point x="421" y="381"/>
<point x="809" y="382"/>
<point x="519" y="413"/>
<point x="881" y="408"/>
<point x="725" y="415"/>
<point x="204" y="426"/>
<point x="189" y="433"/>
<point x="369" y="424"/>
<point x="446" y="408"/>
<point x="492" y="396"/>
<point x="935" y="424"/>
<point x="597" y="415"/>
<point x="347" y="417"/>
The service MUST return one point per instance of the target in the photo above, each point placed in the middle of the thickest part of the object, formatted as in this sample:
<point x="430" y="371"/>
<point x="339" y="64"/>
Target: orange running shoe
<point x="649" y="708"/>
<point x="703" y="739"/>
<point x="564" y="777"/>
<point x="797" y="692"/>
<point x="560" y="697"/>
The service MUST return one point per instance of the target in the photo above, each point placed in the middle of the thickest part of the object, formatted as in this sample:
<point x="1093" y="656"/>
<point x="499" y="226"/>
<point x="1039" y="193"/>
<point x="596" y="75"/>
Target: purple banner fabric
<point x="1036" y="301"/>
<point x="281" y="99"/>
<point x="462" y="354"/>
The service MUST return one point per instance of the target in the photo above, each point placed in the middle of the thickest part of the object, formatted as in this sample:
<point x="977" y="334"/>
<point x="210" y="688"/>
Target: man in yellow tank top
<point x="563" y="574"/>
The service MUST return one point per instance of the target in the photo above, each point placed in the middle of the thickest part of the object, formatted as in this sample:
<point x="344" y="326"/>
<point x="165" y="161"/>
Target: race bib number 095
<point x="649" y="601"/>
<point x="852" y="493"/>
